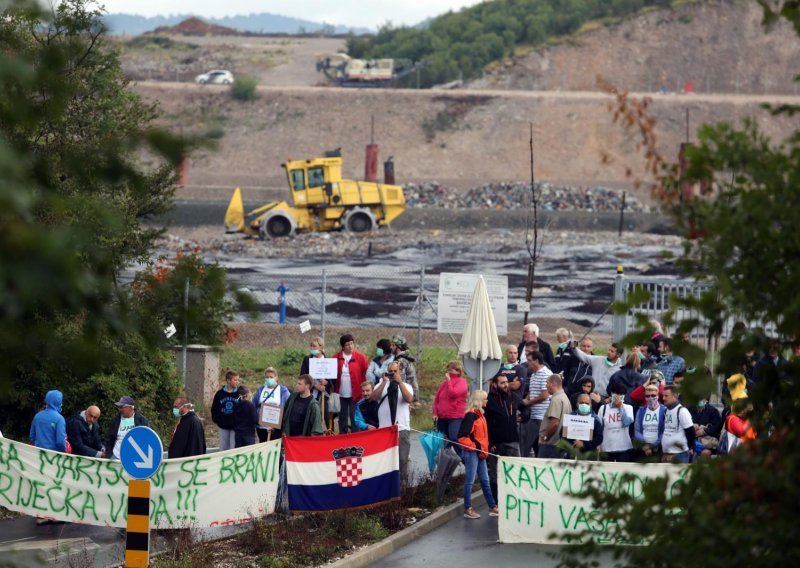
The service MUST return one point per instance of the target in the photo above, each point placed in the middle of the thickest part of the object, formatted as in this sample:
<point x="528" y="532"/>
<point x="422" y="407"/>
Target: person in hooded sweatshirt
<point x="49" y="429"/>
<point x="189" y="437"/>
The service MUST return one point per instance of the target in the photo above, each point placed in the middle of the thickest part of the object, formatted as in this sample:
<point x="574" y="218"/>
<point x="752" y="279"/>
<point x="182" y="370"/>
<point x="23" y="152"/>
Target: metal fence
<point x="401" y="296"/>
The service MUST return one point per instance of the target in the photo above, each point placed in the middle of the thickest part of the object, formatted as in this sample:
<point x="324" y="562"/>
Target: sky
<point x="351" y="13"/>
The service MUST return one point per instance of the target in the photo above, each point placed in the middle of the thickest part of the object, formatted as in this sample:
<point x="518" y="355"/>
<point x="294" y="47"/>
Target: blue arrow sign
<point x="141" y="452"/>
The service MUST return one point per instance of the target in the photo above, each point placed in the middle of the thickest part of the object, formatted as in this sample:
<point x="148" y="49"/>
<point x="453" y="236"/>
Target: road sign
<point x="141" y="452"/>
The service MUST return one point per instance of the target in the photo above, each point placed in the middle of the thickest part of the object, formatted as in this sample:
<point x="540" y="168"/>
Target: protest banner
<point x="540" y="499"/>
<point x="225" y="488"/>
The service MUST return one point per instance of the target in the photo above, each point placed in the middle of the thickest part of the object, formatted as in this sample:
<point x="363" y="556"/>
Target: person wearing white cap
<point x="127" y="419"/>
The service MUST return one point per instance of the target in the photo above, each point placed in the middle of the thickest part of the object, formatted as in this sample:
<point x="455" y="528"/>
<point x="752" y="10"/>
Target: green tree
<point x="74" y="195"/>
<point x="740" y="509"/>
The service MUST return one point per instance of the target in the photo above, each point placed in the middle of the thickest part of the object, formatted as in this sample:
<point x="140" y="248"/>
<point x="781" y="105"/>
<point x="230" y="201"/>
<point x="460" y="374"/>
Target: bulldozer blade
<point x="234" y="216"/>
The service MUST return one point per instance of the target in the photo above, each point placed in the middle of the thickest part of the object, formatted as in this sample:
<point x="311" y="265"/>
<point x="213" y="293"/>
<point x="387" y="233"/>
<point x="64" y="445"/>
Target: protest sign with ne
<point x="271" y="415"/>
<point x="578" y="427"/>
<point x="221" y="489"/>
<point x="540" y="500"/>
<point x="322" y="368"/>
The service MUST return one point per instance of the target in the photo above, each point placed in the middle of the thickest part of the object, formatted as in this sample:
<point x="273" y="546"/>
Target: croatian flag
<point x="341" y="472"/>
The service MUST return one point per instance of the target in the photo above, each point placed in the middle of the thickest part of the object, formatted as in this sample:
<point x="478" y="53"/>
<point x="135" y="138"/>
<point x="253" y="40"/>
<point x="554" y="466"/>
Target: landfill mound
<point x="195" y="27"/>
<point x="517" y="195"/>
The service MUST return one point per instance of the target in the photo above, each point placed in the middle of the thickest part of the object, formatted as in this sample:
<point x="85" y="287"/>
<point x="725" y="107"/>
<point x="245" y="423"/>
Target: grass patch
<point x="251" y="362"/>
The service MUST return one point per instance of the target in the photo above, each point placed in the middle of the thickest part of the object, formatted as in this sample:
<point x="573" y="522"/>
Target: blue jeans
<point x="546" y="451"/>
<point x="473" y="464"/>
<point x="449" y="427"/>
<point x="682" y="457"/>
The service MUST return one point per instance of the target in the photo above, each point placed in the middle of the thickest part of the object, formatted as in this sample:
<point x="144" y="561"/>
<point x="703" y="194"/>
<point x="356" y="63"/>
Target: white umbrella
<point x="479" y="346"/>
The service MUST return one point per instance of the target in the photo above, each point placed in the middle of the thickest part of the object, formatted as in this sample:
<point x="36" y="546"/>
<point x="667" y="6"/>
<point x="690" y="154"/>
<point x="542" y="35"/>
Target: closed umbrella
<point x="479" y="346"/>
<point x="432" y="442"/>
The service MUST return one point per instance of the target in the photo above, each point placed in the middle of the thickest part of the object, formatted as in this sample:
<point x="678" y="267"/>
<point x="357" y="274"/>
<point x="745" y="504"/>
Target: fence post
<point x="619" y="327"/>
<point x="322" y="314"/>
<point x="420" y="307"/>
<point x="185" y="329"/>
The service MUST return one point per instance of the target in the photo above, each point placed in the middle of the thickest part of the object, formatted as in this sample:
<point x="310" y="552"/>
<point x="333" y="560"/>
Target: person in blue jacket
<point x="49" y="429"/>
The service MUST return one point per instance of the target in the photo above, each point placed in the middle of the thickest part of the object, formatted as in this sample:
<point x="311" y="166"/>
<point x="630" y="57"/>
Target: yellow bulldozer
<point x="321" y="201"/>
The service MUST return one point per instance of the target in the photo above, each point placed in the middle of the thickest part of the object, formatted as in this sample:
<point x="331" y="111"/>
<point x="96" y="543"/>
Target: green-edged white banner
<point x="539" y="500"/>
<point x="219" y="489"/>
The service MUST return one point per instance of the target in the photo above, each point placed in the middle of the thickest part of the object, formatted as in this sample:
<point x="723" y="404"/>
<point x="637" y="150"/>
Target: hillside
<point x="460" y="138"/>
<point x="464" y="138"/>
<point x="718" y="45"/>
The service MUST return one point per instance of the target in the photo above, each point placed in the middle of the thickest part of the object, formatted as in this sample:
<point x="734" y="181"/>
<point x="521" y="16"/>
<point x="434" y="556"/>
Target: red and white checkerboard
<point x="349" y="472"/>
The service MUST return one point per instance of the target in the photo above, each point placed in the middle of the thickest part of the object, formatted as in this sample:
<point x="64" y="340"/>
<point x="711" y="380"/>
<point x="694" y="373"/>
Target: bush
<point x="158" y="294"/>
<point x="215" y="132"/>
<point x="244" y="88"/>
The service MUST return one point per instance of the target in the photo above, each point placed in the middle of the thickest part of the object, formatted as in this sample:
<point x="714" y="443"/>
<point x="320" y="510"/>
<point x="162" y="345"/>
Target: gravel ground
<point x="213" y="242"/>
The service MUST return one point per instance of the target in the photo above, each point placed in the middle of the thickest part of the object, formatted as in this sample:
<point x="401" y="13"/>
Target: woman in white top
<point x="617" y="418"/>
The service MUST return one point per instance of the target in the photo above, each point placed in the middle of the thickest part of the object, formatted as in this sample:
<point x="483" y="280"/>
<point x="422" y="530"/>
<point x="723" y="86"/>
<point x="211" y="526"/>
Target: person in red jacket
<point x="352" y="368"/>
<point x="474" y="438"/>
<point x="450" y="402"/>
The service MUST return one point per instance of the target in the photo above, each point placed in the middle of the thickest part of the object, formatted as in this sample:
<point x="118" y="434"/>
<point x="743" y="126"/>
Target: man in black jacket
<point x="127" y="419"/>
<point x="530" y="332"/>
<point x="83" y="433"/>
<point x="502" y="413"/>
<point x="189" y="437"/>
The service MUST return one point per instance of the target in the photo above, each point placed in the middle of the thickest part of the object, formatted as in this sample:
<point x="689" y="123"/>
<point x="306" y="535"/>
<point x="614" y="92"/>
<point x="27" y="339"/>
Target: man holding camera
<point x="394" y="398"/>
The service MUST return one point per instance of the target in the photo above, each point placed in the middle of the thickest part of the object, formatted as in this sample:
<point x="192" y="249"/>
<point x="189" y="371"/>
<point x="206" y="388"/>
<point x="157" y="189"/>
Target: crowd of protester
<point x="632" y="402"/>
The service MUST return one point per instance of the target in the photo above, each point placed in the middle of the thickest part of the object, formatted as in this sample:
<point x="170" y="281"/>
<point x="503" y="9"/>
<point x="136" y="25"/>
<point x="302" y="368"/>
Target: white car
<point x="215" y="77"/>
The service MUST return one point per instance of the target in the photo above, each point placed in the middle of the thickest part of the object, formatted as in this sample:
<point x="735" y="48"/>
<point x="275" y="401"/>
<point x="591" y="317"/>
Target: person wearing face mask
<point x="379" y="364"/>
<point x="83" y="433"/>
<point x="515" y="374"/>
<point x="585" y="409"/>
<point x="189" y="437"/>
<point x="602" y="367"/>
<point x="450" y="402"/>
<point x="563" y="357"/>
<point x="321" y="388"/>
<point x="270" y="392"/>
<point x="649" y="422"/>
<point x="617" y="418"/>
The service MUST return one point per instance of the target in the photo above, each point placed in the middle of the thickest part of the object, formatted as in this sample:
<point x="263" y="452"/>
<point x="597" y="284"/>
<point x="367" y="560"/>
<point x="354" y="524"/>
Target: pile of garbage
<point x="517" y="195"/>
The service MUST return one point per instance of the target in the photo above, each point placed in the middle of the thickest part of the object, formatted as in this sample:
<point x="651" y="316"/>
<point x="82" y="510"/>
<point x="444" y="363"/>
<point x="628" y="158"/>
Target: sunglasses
<point x="651" y="396"/>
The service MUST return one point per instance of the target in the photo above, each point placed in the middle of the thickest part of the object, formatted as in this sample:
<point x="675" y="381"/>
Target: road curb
<point x="382" y="549"/>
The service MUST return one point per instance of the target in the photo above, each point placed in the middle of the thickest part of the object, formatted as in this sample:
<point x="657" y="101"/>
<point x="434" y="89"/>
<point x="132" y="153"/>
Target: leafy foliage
<point x="160" y="296"/>
<point x="75" y="193"/>
<point x="739" y="509"/>
<point x="462" y="43"/>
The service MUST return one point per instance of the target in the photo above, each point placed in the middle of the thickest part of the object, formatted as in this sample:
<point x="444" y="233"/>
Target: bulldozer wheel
<point x="359" y="222"/>
<point x="277" y="226"/>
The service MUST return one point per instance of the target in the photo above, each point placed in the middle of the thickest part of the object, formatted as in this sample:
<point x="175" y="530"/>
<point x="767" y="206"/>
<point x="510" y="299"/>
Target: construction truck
<point x="321" y="201"/>
<point x="345" y="71"/>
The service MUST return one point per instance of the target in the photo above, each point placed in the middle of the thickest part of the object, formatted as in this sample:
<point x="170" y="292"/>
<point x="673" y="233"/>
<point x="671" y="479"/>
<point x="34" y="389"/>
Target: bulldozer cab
<point x="314" y="182"/>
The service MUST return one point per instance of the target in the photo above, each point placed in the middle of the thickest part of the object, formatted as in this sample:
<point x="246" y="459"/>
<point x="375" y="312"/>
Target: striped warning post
<point x="137" y="542"/>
